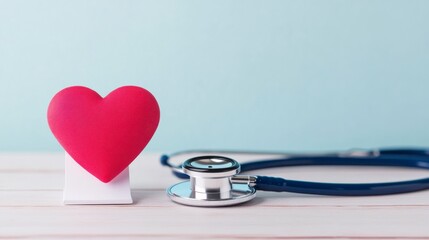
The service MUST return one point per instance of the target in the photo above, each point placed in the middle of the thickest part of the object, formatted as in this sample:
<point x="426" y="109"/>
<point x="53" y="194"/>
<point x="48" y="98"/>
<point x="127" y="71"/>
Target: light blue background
<point x="262" y="75"/>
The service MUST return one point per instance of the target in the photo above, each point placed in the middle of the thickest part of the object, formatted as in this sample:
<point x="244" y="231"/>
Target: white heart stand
<point x="83" y="188"/>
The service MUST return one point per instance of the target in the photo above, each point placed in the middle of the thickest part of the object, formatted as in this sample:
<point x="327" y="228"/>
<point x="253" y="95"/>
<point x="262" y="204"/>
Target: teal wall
<point x="262" y="75"/>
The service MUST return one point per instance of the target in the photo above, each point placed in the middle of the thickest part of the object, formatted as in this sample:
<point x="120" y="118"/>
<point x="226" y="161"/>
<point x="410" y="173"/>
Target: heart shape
<point x="103" y="135"/>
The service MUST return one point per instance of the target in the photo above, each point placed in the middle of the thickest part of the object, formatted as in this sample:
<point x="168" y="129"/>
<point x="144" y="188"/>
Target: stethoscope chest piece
<point x="210" y="183"/>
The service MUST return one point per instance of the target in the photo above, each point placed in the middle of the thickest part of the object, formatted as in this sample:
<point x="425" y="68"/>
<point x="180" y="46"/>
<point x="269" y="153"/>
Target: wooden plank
<point x="236" y="222"/>
<point x="158" y="198"/>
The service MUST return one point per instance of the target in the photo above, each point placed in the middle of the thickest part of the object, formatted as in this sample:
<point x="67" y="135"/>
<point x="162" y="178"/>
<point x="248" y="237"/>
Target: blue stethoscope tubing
<point x="410" y="158"/>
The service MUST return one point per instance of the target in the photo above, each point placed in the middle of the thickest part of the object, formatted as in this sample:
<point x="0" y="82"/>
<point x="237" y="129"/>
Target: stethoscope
<point x="213" y="180"/>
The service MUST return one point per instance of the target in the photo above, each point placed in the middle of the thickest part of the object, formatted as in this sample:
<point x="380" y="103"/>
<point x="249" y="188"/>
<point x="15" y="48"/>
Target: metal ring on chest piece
<point x="210" y="183"/>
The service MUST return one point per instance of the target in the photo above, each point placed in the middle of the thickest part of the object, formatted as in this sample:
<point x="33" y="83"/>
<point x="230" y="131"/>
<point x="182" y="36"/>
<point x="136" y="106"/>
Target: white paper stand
<point x="83" y="188"/>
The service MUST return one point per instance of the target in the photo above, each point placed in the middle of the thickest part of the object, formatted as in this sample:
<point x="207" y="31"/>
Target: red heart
<point x="103" y="135"/>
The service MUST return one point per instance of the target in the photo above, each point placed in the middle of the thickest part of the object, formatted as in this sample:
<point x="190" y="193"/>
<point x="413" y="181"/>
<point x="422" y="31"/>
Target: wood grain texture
<point x="31" y="207"/>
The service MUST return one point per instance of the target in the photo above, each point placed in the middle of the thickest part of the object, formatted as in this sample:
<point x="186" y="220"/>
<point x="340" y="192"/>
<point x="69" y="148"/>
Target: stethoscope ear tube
<point x="274" y="184"/>
<point x="390" y="159"/>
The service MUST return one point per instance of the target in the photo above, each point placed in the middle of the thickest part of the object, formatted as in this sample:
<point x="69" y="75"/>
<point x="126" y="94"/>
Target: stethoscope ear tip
<point x="164" y="160"/>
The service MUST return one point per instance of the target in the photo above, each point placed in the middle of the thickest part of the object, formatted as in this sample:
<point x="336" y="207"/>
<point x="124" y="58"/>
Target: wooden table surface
<point x="31" y="206"/>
